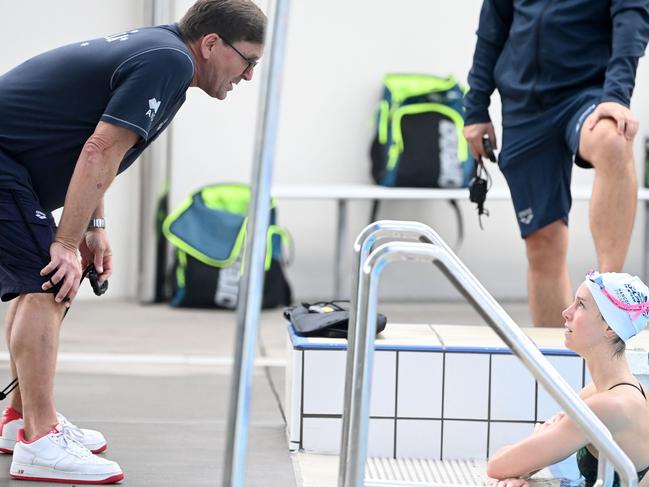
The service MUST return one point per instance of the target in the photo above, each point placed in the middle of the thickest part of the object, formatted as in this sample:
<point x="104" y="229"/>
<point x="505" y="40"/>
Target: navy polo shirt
<point x="51" y="104"/>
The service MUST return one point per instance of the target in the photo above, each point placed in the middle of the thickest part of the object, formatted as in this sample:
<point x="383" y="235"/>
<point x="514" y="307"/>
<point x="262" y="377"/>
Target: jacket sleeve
<point x="630" y="23"/>
<point x="493" y="31"/>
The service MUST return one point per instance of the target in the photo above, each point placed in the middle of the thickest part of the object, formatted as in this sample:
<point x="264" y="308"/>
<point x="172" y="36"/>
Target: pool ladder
<point x="413" y="241"/>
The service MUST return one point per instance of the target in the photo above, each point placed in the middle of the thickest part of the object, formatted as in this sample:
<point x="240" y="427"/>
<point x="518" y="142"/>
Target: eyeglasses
<point x="251" y="63"/>
<point x="637" y="309"/>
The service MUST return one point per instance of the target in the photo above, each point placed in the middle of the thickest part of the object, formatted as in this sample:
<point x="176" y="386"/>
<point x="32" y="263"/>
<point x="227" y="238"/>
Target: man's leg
<point x="614" y="199"/>
<point x="34" y="345"/>
<point x="15" y="401"/>
<point x="548" y="281"/>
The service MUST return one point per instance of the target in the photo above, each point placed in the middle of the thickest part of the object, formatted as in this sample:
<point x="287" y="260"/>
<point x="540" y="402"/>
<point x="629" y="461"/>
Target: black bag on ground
<point x="324" y="319"/>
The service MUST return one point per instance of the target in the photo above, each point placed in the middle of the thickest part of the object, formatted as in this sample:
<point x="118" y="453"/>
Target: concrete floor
<point x="155" y="381"/>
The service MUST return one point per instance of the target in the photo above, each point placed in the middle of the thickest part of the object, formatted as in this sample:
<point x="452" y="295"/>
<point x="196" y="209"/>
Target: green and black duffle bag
<point x="208" y="232"/>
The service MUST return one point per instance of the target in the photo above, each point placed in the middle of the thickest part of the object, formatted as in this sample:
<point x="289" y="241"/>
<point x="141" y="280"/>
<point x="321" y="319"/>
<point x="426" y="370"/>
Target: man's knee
<point x="547" y="247"/>
<point x="41" y="303"/>
<point x="605" y="148"/>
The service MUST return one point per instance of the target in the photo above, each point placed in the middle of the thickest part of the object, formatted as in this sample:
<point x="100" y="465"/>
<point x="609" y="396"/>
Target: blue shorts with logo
<point x="536" y="160"/>
<point x="26" y="233"/>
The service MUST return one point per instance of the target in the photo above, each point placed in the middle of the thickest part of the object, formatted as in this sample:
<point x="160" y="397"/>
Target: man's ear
<point x="610" y="333"/>
<point x="208" y="42"/>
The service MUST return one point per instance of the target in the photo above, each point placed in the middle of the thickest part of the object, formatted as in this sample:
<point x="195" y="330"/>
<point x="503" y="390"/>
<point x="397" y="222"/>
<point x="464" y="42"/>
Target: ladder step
<point x="409" y="472"/>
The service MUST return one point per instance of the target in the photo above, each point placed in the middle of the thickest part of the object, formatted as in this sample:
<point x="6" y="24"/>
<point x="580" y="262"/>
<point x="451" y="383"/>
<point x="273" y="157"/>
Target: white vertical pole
<point x="250" y="293"/>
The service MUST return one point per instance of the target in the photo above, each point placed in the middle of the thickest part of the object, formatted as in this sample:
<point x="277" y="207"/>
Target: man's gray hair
<point x="234" y="20"/>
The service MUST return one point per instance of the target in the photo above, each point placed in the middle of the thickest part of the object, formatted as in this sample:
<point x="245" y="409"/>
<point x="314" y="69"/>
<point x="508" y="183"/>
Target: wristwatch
<point x="96" y="223"/>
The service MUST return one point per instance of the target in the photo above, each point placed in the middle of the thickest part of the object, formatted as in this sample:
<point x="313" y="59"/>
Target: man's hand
<point x="65" y="264"/>
<point x="513" y="482"/>
<point x="473" y="135"/>
<point x="95" y="249"/>
<point x="627" y="124"/>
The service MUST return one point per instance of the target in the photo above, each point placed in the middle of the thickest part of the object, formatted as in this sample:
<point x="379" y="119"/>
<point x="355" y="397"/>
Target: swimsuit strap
<point x="632" y="385"/>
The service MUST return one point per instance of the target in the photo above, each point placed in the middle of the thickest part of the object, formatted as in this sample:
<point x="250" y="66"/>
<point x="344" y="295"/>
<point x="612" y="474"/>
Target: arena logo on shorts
<point x="526" y="216"/>
<point x="40" y="215"/>
<point x="583" y="116"/>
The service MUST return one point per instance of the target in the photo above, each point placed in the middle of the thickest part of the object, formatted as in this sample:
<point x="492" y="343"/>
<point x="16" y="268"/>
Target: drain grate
<point x="407" y="472"/>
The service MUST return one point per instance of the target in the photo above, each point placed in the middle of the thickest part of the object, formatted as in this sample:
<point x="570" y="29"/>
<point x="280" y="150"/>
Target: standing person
<point x="607" y="310"/>
<point x="71" y="120"/>
<point x="565" y="72"/>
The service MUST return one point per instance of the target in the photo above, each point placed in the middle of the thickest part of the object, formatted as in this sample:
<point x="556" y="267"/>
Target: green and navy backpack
<point x="208" y="231"/>
<point x="419" y="141"/>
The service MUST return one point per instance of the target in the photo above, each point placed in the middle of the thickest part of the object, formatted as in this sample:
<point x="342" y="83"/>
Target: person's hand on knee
<point x="473" y="134"/>
<point x="66" y="266"/>
<point x="627" y="123"/>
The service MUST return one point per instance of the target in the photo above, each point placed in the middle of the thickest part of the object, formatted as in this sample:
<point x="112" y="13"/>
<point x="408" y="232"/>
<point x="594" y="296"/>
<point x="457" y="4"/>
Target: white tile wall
<point x="321" y="435"/>
<point x="464" y="439"/>
<point x="384" y="378"/>
<point x="512" y="389"/>
<point x="466" y="385"/>
<point x="502" y="434"/>
<point x="324" y="382"/>
<point x="420" y="385"/>
<point x="570" y="368"/>
<point x="293" y="396"/>
<point x="427" y="433"/>
<point x="416" y="428"/>
<point x="381" y="438"/>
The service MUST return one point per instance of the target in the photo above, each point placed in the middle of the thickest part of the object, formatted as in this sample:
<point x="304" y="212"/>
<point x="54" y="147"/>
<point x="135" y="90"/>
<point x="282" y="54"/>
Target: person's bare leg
<point x="15" y="401"/>
<point x="548" y="280"/>
<point x="614" y="199"/>
<point x="34" y="345"/>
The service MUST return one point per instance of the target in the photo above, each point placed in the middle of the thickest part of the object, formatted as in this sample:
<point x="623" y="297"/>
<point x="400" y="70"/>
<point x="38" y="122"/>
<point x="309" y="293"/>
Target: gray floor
<point x="124" y="369"/>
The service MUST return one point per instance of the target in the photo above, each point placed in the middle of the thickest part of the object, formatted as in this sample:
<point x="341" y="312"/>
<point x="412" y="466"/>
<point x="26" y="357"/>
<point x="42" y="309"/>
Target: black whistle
<point x="488" y="148"/>
<point x="98" y="287"/>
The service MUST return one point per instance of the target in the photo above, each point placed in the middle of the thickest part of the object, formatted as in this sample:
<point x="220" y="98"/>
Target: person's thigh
<point x="537" y="166"/>
<point x="603" y="140"/>
<point x="26" y="233"/>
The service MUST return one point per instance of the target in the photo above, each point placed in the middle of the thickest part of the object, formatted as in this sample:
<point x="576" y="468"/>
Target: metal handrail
<point x="250" y="289"/>
<point x="395" y="230"/>
<point x="360" y="384"/>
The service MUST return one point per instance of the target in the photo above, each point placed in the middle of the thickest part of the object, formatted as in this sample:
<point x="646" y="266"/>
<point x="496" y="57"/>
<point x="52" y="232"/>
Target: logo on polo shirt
<point x="153" y="108"/>
<point x="39" y="214"/>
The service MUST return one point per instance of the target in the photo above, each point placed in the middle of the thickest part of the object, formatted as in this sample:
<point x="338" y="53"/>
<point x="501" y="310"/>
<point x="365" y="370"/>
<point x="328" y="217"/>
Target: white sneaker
<point x="59" y="457"/>
<point x="12" y="421"/>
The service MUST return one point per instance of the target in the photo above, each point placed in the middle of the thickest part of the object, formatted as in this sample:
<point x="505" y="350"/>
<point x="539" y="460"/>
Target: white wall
<point x="337" y="53"/>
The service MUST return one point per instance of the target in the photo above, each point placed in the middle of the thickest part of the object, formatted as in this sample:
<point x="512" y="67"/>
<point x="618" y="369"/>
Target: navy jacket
<point x="539" y="52"/>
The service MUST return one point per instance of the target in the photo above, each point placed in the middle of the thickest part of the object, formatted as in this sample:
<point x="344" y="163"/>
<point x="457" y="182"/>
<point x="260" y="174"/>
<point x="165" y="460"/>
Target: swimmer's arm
<point x="548" y="446"/>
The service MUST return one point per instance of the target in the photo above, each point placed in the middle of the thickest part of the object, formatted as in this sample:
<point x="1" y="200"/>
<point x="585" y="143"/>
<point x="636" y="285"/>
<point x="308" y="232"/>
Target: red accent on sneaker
<point x="98" y="450"/>
<point x="21" y="435"/>
<point x="8" y="415"/>
<point x="109" y="480"/>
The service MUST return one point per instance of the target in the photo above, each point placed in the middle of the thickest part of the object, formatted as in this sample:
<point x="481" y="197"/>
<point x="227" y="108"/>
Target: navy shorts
<point x="536" y="160"/>
<point x="26" y="233"/>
